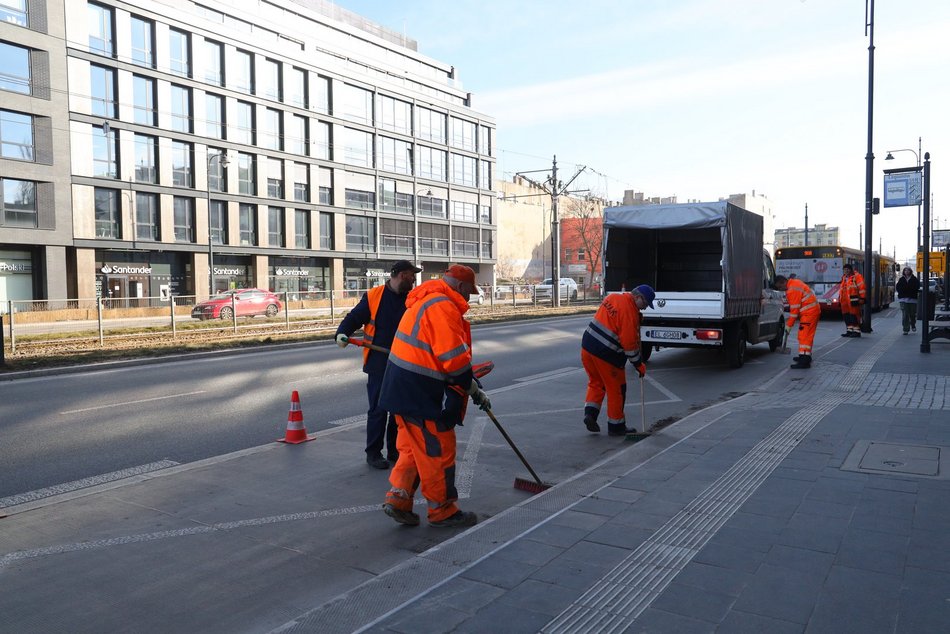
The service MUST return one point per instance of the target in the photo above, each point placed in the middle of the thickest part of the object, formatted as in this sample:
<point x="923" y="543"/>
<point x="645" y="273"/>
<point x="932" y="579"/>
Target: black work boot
<point x="802" y="363"/>
<point x="590" y="419"/>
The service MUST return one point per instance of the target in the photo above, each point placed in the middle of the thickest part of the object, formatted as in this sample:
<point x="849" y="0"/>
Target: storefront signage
<point x="292" y="272"/>
<point x="218" y="270"/>
<point x="126" y="270"/>
<point x="375" y="273"/>
<point x="13" y="267"/>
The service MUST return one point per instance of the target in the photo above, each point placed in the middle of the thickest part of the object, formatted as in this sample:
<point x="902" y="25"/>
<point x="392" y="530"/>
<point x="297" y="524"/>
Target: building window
<point x="102" y="91"/>
<point x="275" y="226"/>
<point x="360" y="233"/>
<point x="358" y="199"/>
<point x="325" y="195"/>
<point x="301" y="228"/>
<point x="581" y="255"/>
<point x="396" y="236"/>
<point x="143" y="100"/>
<point x="107" y="213"/>
<point x="431" y="163"/>
<point x="433" y="239"/>
<point x="464" y="242"/>
<point x="275" y="178"/>
<point x="182" y="164"/>
<point x="214" y="63"/>
<point x="567" y="255"/>
<point x="463" y="134"/>
<point x="219" y="222"/>
<point x="487" y="242"/>
<point x="268" y="84"/>
<point x="244" y="126"/>
<point x="431" y="125"/>
<point x="16" y="136"/>
<point x="217" y="181"/>
<point x="19" y="203"/>
<point x="147" y="216"/>
<point x="146" y="158"/>
<point x="143" y="42"/>
<point x="321" y="89"/>
<point x="484" y="174"/>
<point x="395" y="156"/>
<point x="357" y="148"/>
<point x="179" y="44"/>
<point x="301" y="182"/>
<point x="247" y="177"/>
<point x="463" y="170"/>
<point x="14" y="12"/>
<point x="181" y="108"/>
<point x="430" y="206"/>
<point x="391" y="200"/>
<point x="484" y="140"/>
<point x="466" y="212"/>
<point x="296" y="138"/>
<point x="269" y="135"/>
<point x="15" y="73"/>
<point x="214" y="116"/>
<point x="326" y="231"/>
<point x="101" y="30"/>
<point x="184" y="211"/>
<point x="394" y="115"/>
<point x="355" y="104"/>
<point x="243" y="79"/>
<point x="297" y="87"/>
<point x="247" y="217"/>
<point x="105" y="155"/>
<point x="486" y="214"/>
<point x="321" y="140"/>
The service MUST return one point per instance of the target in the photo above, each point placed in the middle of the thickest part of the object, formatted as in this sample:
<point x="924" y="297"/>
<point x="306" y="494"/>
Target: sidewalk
<point x="818" y="503"/>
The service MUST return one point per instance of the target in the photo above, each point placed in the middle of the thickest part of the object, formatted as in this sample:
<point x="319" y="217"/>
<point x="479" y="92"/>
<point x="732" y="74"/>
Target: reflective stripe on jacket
<point x="852" y="286"/>
<point x="614" y="333"/>
<point x="801" y="301"/>
<point x="431" y="352"/>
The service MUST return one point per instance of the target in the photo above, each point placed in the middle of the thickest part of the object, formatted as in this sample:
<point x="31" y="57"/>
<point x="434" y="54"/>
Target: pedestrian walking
<point x="611" y="340"/>
<point x="908" y="288"/>
<point x="378" y="313"/>
<point x="431" y="355"/>
<point x="852" y="295"/>
<point x="803" y="307"/>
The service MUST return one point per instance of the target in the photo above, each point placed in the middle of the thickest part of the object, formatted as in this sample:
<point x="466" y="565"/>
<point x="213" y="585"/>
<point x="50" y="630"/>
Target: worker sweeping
<point x="431" y="354"/>
<point x="803" y="307"/>
<point x="611" y="340"/>
<point x="852" y="295"/>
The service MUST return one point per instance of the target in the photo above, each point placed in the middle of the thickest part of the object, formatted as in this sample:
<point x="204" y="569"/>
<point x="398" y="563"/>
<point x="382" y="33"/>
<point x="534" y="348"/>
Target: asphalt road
<point x="64" y="428"/>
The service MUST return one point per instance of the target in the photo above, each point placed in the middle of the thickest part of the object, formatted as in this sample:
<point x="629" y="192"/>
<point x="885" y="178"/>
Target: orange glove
<point x="641" y="369"/>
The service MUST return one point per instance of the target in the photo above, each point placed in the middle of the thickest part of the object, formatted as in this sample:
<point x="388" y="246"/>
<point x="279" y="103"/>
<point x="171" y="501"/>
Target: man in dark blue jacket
<point x="378" y="313"/>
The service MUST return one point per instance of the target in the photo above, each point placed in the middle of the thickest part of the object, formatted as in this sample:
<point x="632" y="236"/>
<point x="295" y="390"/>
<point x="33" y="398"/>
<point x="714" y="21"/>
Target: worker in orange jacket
<point x="852" y="294"/>
<point x="802" y="306"/>
<point x="611" y="340"/>
<point x="431" y="355"/>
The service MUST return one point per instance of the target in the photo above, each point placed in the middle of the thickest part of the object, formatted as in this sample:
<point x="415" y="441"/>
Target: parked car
<point x="478" y="297"/>
<point x="247" y="302"/>
<point x="567" y="286"/>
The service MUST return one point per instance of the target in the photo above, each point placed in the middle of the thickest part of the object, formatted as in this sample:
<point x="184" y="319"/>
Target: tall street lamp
<point x="222" y="164"/>
<point x="890" y="157"/>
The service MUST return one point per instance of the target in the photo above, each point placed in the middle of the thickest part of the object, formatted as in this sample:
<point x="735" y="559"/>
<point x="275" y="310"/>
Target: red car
<point x="247" y="302"/>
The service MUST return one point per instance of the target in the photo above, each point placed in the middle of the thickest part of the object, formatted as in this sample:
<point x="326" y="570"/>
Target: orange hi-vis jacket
<point x="373" y="297"/>
<point x="614" y="333"/>
<point x="431" y="352"/>
<point x="852" y="288"/>
<point x="801" y="301"/>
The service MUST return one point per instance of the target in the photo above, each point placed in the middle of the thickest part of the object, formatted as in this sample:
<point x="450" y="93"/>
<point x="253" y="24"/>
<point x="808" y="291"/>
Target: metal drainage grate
<point x="870" y="456"/>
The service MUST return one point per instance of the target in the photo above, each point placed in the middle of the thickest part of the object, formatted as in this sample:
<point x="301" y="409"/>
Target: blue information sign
<point x="902" y="188"/>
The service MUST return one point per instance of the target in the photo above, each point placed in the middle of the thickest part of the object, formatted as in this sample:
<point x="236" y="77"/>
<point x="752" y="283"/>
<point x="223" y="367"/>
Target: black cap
<point x="404" y="265"/>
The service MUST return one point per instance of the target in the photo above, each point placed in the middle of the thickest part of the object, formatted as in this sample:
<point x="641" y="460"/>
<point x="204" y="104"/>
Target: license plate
<point x="666" y="334"/>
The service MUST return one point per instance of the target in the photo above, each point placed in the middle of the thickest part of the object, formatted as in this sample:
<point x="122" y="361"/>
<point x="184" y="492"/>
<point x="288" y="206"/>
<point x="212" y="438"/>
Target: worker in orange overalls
<point x="612" y="338"/>
<point x="852" y="295"/>
<point x="803" y="306"/>
<point x="431" y="355"/>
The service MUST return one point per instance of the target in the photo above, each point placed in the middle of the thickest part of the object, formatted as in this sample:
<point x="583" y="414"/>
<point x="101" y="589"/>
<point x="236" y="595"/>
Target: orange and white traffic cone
<point x="296" y="432"/>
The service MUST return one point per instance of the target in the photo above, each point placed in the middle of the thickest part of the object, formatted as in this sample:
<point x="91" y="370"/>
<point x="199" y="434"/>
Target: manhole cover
<point x="883" y="457"/>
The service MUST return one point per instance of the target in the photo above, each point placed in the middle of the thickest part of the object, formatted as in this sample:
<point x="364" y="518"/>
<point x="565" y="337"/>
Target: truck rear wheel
<point x="735" y="346"/>
<point x="776" y="342"/>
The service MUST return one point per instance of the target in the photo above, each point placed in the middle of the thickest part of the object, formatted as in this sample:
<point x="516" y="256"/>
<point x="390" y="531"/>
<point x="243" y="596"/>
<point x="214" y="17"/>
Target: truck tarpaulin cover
<point x="741" y="233"/>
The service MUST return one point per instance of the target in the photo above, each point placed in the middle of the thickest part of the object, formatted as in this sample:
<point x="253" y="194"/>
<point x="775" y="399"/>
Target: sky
<point x="705" y="98"/>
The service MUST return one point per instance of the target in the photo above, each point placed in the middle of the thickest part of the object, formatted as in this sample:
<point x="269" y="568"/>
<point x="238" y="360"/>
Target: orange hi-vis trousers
<point x="807" y="327"/>
<point x="605" y="379"/>
<point x="426" y="458"/>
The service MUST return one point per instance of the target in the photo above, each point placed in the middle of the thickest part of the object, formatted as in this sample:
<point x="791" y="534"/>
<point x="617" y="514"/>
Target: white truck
<point x="713" y="279"/>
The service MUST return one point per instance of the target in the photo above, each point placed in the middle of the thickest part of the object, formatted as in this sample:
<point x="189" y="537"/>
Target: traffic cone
<point x="296" y="432"/>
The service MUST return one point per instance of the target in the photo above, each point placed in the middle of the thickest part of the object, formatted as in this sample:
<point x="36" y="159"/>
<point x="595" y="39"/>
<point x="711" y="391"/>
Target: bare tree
<point x="505" y="268"/>
<point x="586" y="228"/>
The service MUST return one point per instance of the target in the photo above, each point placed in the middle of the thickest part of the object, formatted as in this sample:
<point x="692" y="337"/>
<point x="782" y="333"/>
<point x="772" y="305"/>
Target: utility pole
<point x="806" y="224"/>
<point x="869" y="162"/>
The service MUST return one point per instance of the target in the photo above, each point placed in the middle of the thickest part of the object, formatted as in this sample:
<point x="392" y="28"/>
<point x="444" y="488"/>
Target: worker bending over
<point x="803" y="306"/>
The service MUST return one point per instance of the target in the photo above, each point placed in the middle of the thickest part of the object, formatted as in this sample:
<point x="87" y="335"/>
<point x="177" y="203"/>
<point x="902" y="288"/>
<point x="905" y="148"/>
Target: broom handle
<point x="363" y="344"/>
<point x="512" y="445"/>
<point x="643" y="409"/>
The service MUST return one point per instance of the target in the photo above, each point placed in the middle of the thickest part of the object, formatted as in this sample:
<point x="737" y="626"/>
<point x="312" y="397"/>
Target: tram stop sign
<point x="938" y="262"/>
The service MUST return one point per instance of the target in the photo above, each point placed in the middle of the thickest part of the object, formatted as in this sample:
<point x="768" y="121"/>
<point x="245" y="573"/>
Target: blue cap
<point x="647" y="292"/>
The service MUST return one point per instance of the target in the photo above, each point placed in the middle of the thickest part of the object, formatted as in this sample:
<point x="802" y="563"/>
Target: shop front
<point x="361" y="275"/>
<point x="298" y="276"/>
<point x="125" y="279"/>
<point x="232" y="272"/>
<point x="16" y="277"/>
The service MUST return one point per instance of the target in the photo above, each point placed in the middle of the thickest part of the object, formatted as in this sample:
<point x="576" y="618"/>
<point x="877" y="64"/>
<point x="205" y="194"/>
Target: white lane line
<point x="66" y="487"/>
<point x="465" y="473"/>
<point x="545" y="375"/>
<point x="666" y="392"/>
<point x="361" y="418"/>
<point x="144" y="400"/>
<point x="526" y="382"/>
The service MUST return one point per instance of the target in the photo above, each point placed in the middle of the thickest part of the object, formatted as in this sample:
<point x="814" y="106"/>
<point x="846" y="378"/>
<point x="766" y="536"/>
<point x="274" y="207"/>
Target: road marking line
<point x="144" y="400"/>
<point x="349" y="419"/>
<point x="550" y="374"/>
<point x="66" y="487"/>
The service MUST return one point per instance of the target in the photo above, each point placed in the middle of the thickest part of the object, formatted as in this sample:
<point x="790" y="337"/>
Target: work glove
<point x="788" y="329"/>
<point x="342" y="340"/>
<point x="479" y="397"/>
<point x="641" y="368"/>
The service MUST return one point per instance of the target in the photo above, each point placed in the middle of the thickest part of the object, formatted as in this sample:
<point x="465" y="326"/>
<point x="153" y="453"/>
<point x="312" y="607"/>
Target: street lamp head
<point x="889" y="157"/>
<point x="224" y="159"/>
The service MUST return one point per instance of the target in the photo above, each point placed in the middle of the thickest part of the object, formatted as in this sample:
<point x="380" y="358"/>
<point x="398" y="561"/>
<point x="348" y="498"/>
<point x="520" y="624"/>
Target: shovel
<point x="784" y="349"/>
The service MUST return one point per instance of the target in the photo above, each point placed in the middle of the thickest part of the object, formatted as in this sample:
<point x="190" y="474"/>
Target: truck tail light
<point x="709" y="335"/>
